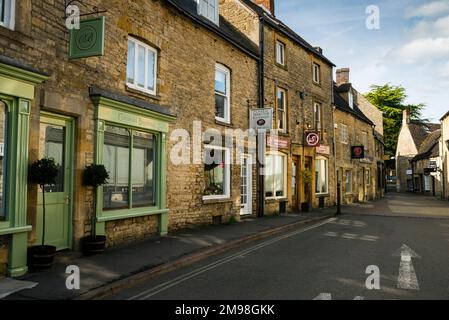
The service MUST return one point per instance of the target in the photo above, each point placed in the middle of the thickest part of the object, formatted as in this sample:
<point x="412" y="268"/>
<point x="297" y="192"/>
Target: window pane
<point x="143" y="169"/>
<point x="321" y="176"/>
<point x="51" y="146"/>
<point x="116" y="161"/>
<point x="279" y="176"/>
<point x="348" y="181"/>
<point x="3" y="141"/>
<point x="130" y="66"/>
<point x="220" y="106"/>
<point x="269" y="178"/>
<point x="151" y="70"/>
<point x="274" y="176"/>
<point x="220" y="82"/>
<point x="214" y="172"/>
<point x="141" y="66"/>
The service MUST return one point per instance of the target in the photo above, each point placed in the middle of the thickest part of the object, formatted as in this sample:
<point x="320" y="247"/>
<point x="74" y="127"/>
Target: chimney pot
<point x="267" y="4"/>
<point x="342" y="76"/>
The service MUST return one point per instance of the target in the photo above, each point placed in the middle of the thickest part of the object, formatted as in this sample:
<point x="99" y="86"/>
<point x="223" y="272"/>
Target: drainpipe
<point x="261" y="75"/>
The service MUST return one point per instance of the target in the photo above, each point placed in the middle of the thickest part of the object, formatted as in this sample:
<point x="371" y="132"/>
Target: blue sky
<point x="411" y="48"/>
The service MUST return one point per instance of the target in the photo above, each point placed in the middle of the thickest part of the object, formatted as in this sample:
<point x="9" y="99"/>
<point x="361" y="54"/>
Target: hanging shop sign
<point x="358" y="152"/>
<point x="276" y="142"/>
<point x="88" y="40"/>
<point x="323" y="149"/>
<point x="261" y="119"/>
<point x="313" y="139"/>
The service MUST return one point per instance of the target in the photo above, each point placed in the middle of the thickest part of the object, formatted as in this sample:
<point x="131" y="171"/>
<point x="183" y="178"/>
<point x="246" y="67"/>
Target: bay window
<point x="222" y="94"/>
<point x="276" y="176"/>
<point x="217" y="173"/>
<point x="141" y="68"/>
<point x="321" y="176"/>
<point x="129" y="157"/>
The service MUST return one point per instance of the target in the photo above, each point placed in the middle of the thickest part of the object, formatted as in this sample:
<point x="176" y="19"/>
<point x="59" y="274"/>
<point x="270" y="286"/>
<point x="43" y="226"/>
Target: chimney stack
<point x="406" y="116"/>
<point x="342" y="76"/>
<point x="266" y="4"/>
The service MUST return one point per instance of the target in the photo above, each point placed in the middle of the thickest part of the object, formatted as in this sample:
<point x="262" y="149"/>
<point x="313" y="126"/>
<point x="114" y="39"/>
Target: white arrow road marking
<point x="359" y="298"/>
<point x="323" y="296"/>
<point x="407" y="276"/>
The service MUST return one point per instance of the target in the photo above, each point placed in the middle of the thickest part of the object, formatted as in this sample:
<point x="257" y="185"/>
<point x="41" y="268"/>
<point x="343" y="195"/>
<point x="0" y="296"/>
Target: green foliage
<point x="96" y="175"/>
<point x="44" y="171"/>
<point x="390" y="100"/>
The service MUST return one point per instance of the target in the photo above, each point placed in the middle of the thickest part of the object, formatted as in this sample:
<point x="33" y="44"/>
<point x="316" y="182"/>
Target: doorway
<point x="295" y="183"/>
<point x="56" y="140"/>
<point x="246" y="178"/>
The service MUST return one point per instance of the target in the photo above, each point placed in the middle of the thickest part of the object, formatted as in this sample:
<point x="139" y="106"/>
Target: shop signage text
<point x="261" y="119"/>
<point x="323" y="149"/>
<point x="313" y="139"/>
<point x="276" y="142"/>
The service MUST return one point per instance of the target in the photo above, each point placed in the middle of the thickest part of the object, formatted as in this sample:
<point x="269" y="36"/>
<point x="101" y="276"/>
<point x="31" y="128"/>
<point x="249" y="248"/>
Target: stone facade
<point x="187" y="56"/>
<point x="295" y="77"/>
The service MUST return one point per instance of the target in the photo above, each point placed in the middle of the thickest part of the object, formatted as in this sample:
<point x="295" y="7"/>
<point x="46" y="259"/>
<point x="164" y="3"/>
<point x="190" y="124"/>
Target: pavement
<point x="119" y="268"/>
<point x="399" y="257"/>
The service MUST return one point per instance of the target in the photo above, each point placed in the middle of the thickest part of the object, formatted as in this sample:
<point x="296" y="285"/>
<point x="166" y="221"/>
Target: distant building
<point x="425" y="165"/>
<point x="411" y="137"/>
<point x="444" y="156"/>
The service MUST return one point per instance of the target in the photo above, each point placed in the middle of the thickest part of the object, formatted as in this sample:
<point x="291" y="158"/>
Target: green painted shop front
<point x="131" y="141"/>
<point x="17" y="92"/>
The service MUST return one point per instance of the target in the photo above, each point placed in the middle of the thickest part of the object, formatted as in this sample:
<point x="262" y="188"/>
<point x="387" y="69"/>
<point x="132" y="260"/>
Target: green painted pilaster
<point x="100" y="226"/>
<point x="162" y="194"/>
<point x="17" y="264"/>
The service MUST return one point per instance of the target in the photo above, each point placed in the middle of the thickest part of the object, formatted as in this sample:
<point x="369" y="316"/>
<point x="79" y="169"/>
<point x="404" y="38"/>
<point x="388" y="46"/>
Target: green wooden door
<point x="56" y="141"/>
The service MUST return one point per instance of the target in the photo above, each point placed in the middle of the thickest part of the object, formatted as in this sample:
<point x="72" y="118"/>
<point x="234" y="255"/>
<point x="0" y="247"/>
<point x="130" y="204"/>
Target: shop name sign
<point x="88" y="40"/>
<point x="261" y="119"/>
<point x="313" y="139"/>
<point x="358" y="152"/>
<point x="323" y="149"/>
<point x="277" y="142"/>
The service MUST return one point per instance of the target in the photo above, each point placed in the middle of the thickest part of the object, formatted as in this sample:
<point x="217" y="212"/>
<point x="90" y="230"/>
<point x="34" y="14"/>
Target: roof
<point x="445" y="116"/>
<point x="224" y="29"/>
<point x="342" y="105"/>
<point x="11" y="62"/>
<point x="283" y="28"/>
<point x="429" y="147"/>
<point x="421" y="130"/>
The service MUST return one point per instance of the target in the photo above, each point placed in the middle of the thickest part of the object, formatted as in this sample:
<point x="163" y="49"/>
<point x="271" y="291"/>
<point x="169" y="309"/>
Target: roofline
<point x="263" y="14"/>
<point x="216" y="31"/>
<point x="445" y="116"/>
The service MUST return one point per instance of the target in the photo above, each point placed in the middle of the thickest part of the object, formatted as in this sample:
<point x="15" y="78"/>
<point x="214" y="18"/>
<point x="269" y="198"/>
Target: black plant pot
<point x="93" y="245"/>
<point x="41" y="257"/>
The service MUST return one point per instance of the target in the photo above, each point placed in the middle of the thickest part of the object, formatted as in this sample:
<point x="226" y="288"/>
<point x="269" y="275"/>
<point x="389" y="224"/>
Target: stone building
<point x="296" y="81"/>
<point x="411" y="137"/>
<point x="165" y="65"/>
<point x="426" y="164"/>
<point x="361" y="177"/>
<point x="444" y="156"/>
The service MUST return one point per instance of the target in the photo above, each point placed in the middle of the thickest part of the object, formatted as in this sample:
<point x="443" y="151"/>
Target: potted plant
<point x="95" y="176"/>
<point x="42" y="172"/>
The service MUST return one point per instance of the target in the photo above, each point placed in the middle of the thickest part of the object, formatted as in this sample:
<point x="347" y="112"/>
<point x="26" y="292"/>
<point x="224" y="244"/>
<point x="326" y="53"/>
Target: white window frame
<point x="317" y="109"/>
<point x="327" y="175"/>
<point x="227" y="111"/>
<point x="227" y="173"/>
<point x="316" y="73"/>
<point x="351" y="100"/>
<point x="280" y="53"/>
<point x="285" y="110"/>
<point x="284" y="156"/>
<point x="344" y="134"/>
<point x="368" y="177"/>
<point x="205" y="11"/>
<point x="9" y="14"/>
<point x="364" y="141"/>
<point x="148" y="49"/>
<point x="350" y="182"/>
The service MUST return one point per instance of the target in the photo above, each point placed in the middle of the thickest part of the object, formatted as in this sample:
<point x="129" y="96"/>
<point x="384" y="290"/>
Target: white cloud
<point x="422" y="50"/>
<point x="445" y="70"/>
<point x="432" y="9"/>
<point x="434" y="28"/>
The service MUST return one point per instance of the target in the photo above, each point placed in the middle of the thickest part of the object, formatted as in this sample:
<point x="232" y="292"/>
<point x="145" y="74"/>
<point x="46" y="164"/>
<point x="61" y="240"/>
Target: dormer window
<point x="209" y="10"/>
<point x="351" y="100"/>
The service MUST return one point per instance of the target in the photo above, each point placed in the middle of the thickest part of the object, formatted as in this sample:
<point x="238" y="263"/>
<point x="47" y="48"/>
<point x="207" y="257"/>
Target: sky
<point x="410" y="48"/>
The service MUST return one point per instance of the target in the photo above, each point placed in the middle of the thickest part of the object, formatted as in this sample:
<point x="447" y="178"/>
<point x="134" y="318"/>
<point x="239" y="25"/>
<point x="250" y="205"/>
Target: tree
<point x="390" y="100"/>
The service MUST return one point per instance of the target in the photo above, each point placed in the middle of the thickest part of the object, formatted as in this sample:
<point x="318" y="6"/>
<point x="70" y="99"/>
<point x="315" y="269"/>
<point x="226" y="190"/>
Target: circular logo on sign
<point x="261" y="122"/>
<point x="313" y="139"/>
<point x="358" y="151"/>
<point x="86" y="38"/>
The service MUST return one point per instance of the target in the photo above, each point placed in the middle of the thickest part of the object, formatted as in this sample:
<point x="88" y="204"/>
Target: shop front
<point x="17" y="94"/>
<point x="131" y="143"/>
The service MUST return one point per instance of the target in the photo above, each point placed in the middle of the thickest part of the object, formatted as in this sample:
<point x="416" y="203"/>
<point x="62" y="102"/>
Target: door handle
<point x="67" y="200"/>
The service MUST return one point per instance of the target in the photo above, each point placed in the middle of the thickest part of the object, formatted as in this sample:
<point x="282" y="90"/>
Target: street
<point x="327" y="260"/>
